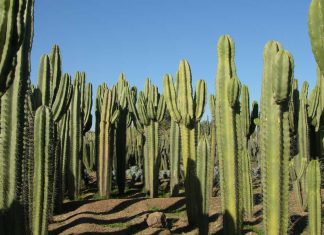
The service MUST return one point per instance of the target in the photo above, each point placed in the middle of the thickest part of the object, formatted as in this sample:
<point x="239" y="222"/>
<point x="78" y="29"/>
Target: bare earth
<point x="127" y="216"/>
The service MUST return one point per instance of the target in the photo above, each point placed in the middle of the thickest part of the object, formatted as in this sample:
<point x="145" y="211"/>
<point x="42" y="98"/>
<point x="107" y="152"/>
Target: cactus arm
<point x="171" y="98"/>
<point x="44" y="80"/>
<point x="316" y="30"/>
<point x="61" y="101"/>
<point x="44" y="151"/>
<point x="56" y="71"/>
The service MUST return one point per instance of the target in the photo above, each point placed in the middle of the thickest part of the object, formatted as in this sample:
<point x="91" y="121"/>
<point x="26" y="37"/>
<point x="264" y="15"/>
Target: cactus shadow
<point x="298" y="224"/>
<point x="257" y="198"/>
<point x="90" y="220"/>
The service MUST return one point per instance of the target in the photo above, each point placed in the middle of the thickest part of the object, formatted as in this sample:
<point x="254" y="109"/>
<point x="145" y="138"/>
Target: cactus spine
<point x="44" y="152"/>
<point x="228" y="134"/>
<point x="275" y="136"/>
<point x="313" y="177"/>
<point x="187" y="110"/>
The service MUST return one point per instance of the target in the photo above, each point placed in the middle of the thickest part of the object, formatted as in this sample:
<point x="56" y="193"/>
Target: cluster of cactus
<point x="46" y="149"/>
<point x="151" y="110"/>
<point x="187" y="110"/>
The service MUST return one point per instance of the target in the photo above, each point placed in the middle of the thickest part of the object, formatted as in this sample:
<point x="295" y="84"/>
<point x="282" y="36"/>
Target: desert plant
<point x="275" y="136"/>
<point x="187" y="110"/>
<point x="228" y="135"/>
<point x="43" y="172"/>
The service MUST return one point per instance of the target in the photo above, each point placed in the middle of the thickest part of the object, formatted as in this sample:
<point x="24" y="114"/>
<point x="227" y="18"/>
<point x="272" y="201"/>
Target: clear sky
<point x="147" y="38"/>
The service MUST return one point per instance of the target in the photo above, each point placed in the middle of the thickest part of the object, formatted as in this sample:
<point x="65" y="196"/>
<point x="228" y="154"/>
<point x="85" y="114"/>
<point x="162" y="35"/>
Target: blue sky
<point x="147" y="38"/>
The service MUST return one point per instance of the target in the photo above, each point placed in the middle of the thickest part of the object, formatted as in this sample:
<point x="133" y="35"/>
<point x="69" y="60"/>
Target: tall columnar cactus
<point x="246" y="122"/>
<point x="313" y="177"/>
<point x="212" y="107"/>
<point x="54" y="90"/>
<point x="65" y="142"/>
<point x="187" y="110"/>
<point x="175" y="152"/>
<point x="228" y="134"/>
<point x="174" y="158"/>
<point x="122" y="90"/>
<point x="98" y="104"/>
<point x="275" y="136"/>
<point x="299" y="163"/>
<point x="316" y="31"/>
<point x="109" y="115"/>
<point x="44" y="152"/>
<point x="16" y="28"/>
<point x="204" y="176"/>
<point x="16" y="40"/>
<point x="151" y="110"/>
<point x="74" y="165"/>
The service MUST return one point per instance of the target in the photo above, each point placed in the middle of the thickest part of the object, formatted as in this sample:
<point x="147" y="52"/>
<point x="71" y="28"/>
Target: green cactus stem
<point x="109" y="114"/>
<point x="228" y="135"/>
<point x="316" y="31"/>
<point x="275" y="136"/>
<point x="44" y="152"/>
<point x="313" y="177"/>
<point x="187" y="110"/>
<point x="204" y="176"/>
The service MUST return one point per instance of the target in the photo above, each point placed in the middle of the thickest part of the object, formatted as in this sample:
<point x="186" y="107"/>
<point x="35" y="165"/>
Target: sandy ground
<point x="127" y="216"/>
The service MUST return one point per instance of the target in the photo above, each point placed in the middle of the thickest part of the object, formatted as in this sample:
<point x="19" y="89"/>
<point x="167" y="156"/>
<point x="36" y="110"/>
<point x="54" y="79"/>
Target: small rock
<point x="156" y="220"/>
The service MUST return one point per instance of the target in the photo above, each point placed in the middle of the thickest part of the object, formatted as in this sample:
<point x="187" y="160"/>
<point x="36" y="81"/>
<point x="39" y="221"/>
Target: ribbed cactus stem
<point x="316" y="31"/>
<point x="204" y="176"/>
<point x="313" y="178"/>
<point x="228" y="134"/>
<point x="174" y="158"/>
<point x="187" y="110"/>
<point x="74" y="173"/>
<point x="13" y="110"/>
<point x="151" y="109"/>
<point x="247" y="195"/>
<point x="275" y="136"/>
<point x="16" y="28"/>
<point x="109" y="114"/>
<point x="44" y="152"/>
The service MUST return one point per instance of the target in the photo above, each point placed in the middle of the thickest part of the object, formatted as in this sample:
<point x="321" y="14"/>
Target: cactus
<point x="14" y="63"/>
<point x="316" y="31"/>
<point x="151" y="110"/>
<point x="313" y="177"/>
<point x="16" y="28"/>
<point x="275" y="136"/>
<point x="299" y="162"/>
<point x="122" y="90"/>
<point x="187" y="110"/>
<point x="44" y="152"/>
<point x="74" y="165"/>
<point x="204" y="175"/>
<point x="109" y="115"/>
<point x="228" y="135"/>
<point x="246" y="122"/>
<point x="174" y="152"/>
<point x="65" y="142"/>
